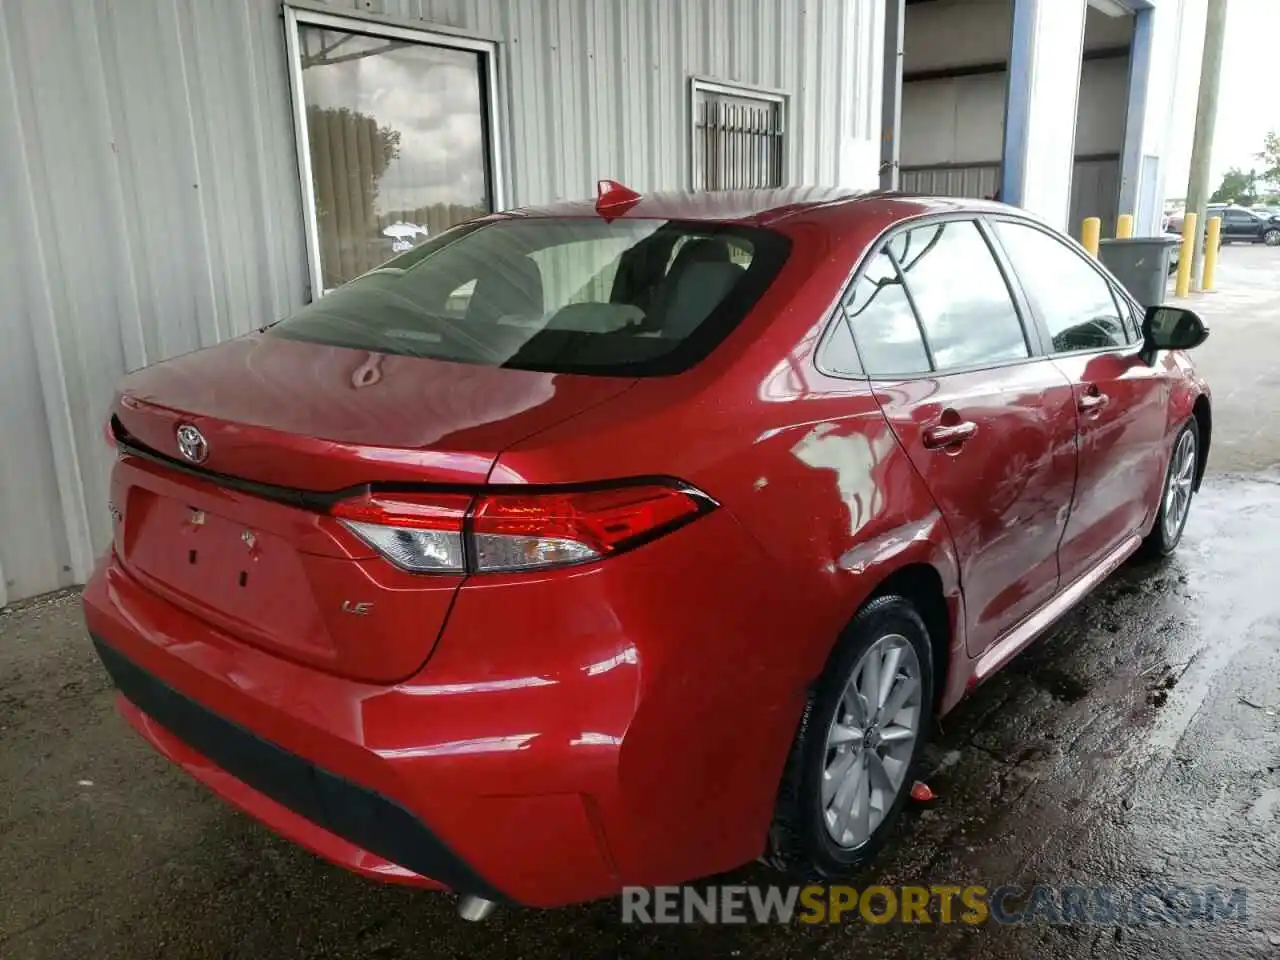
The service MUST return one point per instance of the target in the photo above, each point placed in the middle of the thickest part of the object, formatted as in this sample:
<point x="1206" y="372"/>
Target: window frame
<point x="1032" y="329"/>
<point x="299" y="15"/>
<point x="700" y="84"/>
<point x="1118" y="295"/>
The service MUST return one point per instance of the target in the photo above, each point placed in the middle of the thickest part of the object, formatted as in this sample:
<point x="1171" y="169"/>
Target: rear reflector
<point x="456" y="533"/>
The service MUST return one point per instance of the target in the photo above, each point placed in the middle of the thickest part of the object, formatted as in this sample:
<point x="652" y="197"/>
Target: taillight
<point x="458" y="533"/>
<point x="548" y="529"/>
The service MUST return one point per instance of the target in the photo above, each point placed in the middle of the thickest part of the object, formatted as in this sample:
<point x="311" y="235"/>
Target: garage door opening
<point x="955" y="92"/>
<point x="955" y="72"/>
<point x="1100" y="116"/>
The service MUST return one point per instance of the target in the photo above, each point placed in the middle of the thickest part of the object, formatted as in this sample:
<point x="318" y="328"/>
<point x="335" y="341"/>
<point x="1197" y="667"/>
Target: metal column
<point x="1135" y="119"/>
<point x="891" y="110"/>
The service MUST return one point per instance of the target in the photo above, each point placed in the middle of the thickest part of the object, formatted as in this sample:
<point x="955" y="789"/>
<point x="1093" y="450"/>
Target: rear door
<point x="1238" y="225"/>
<point x="1121" y="401"/>
<point x="988" y="424"/>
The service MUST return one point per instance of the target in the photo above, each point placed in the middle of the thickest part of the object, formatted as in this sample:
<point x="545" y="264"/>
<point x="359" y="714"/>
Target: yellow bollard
<point x="1090" y="234"/>
<point x="1124" y="226"/>
<point x="1183" y="286"/>
<point x="1211" y="240"/>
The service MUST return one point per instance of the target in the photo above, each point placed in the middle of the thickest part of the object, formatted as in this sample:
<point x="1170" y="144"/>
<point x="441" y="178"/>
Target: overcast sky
<point x="1248" y="101"/>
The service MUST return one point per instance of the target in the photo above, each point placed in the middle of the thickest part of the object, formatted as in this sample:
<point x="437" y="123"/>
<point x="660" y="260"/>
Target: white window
<point x="739" y="137"/>
<point x="395" y="137"/>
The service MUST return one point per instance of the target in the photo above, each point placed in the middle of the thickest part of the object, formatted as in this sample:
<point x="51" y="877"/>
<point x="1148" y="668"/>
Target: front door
<point x="1120" y="401"/>
<point x="989" y="428"/>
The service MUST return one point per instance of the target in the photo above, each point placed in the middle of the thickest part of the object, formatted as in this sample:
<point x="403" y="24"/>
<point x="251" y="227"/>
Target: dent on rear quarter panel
<point x="844" y="512"/>
<point x="805" y="462"/>
<point x="1188" y="387"/>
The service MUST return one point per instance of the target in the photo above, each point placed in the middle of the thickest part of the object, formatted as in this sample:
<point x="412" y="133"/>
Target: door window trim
<point x="298" y="15"/>
<point x="1117" y="294"/>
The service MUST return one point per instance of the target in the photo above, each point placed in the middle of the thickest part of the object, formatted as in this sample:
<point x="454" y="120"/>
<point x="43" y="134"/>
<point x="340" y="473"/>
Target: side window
<point x="1072" y="297"/>
<point x="888" y="336"/>
<point x="961" y="296"/>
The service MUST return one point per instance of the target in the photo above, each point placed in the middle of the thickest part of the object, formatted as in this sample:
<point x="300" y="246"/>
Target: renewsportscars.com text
<point x="970" y="904"/>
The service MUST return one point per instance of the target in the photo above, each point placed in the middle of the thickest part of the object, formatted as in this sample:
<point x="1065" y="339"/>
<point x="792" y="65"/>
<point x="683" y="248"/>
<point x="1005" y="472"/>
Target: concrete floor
<point x="1140" y="743"/>
<point x="1241" y="358"/>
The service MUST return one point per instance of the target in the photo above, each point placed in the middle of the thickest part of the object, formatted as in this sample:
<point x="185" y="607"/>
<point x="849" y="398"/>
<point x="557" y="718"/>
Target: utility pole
<point x="1215" y="29"/>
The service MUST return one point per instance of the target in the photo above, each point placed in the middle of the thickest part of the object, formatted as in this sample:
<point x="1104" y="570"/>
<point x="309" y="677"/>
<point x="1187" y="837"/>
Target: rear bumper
<point x="342" y="767"/>
<point x="570" y="734"/>
<point x="328" y="814"/>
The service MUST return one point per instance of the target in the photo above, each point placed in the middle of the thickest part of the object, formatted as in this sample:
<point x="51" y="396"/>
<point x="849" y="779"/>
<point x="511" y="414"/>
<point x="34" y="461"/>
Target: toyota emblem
<point x="192" y="444"/>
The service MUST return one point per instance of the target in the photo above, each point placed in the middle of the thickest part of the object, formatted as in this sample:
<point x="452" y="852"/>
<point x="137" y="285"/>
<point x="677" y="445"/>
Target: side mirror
<point x="1171" y="328"/>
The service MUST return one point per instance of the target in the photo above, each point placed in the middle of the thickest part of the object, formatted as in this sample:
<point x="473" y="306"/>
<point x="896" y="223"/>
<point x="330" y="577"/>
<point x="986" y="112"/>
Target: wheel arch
<point x="1203" y="413"/>
<point x="918" y="562"/>
<point x="921" y="584"/>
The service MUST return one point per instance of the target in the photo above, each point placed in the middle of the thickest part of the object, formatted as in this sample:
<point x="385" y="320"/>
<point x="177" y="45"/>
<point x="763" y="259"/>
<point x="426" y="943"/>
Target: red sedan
<point x="624" y="543"/>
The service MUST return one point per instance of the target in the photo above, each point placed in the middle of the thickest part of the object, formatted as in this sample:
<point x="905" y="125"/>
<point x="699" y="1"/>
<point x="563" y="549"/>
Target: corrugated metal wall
<point x="601" y="87"/>
<point x="1095" y="192"/>
<point x="149" y="199"/>
<point x="149" y="206"/>
<point x="1095" y="186"/>
<point x="974" y="180"/>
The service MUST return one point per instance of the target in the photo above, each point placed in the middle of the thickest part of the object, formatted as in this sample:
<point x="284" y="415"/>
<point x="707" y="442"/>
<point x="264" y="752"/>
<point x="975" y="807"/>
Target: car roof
<point x="767" y="206"/>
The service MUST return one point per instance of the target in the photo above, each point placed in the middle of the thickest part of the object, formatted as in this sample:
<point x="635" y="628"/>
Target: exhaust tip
<point x="475" y="909"/>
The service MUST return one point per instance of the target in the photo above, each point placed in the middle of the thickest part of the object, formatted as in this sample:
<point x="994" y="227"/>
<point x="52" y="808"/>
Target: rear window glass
<point x="579" y="295"/>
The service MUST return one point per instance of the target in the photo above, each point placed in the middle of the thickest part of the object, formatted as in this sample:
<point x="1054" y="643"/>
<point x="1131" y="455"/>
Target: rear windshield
<point x="631" y="297"/>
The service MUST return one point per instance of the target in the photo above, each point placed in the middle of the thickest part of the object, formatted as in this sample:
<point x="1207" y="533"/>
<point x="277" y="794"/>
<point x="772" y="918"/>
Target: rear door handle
<point x="949" y="434"/>
<point x="1092" y="402"/>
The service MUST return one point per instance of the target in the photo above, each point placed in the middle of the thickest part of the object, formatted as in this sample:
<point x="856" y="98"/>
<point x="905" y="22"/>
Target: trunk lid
<point x="316" y="417"/>
<point x="232" y="538"/>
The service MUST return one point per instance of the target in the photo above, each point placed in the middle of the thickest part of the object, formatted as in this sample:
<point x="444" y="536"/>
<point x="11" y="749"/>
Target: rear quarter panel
<point x="1187" y="387"/>
<point x="805" y="462"/>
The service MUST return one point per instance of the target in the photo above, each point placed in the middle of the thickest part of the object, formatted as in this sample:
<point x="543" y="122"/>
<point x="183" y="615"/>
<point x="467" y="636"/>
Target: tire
<point x="802" y="839"/>
<point x="1166" y="533"/>
<point x="1271" y="238"/>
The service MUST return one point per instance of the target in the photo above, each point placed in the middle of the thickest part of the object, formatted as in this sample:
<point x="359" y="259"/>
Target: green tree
<point x="1270" y="156"/>
<point x="1237" y="187"/>
<point x="349" y="155"/>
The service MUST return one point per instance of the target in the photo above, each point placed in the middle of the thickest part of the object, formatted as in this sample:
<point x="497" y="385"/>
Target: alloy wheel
<point x="1177" y="494"/>
<point x="871" y="740"/>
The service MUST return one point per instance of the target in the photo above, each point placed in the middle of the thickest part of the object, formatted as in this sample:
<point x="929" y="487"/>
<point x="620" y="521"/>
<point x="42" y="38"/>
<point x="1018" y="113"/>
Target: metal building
<point x="153" y="157"/>
<point x="176" y="173"/>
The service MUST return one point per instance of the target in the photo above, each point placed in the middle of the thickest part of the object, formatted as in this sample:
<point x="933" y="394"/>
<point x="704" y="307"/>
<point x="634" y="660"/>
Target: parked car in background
<point x="1239" y="224"/>
<point x="658" y="552"/>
